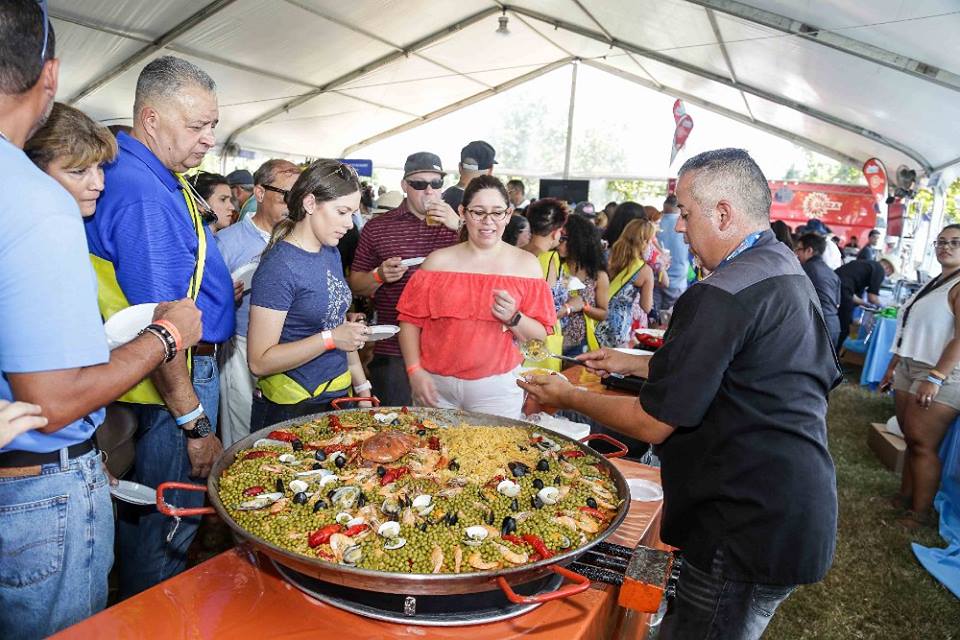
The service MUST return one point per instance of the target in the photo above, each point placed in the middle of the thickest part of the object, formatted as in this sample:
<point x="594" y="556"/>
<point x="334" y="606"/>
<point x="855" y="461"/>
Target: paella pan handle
<point x="580" y="584"/>
<point x="169" y="510"/>
<point x="374" y="400"/>
<point x="623" y="450"/>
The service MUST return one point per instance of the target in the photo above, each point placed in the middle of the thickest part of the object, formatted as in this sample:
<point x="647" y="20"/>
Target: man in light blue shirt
<point x="679" y="255"/>
<point x="241" y="244"/>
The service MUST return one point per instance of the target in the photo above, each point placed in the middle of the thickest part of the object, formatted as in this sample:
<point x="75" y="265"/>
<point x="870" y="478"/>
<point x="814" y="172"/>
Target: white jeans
<point x="498" y="395"/>
<point x="236" y="391"/>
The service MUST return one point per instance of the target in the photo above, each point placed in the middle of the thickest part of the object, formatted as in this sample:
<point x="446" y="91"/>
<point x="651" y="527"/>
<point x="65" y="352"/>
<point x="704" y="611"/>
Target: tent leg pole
<point x="573" y="102"/>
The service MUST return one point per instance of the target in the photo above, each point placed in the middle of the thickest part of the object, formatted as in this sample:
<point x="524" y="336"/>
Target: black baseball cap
<point x="423" y="161"/>
<point x="240" y="178"/>
<point x="478" y="156"/>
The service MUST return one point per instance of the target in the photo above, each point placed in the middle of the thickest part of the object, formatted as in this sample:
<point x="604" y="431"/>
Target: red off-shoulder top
<point x="459" y="336"/>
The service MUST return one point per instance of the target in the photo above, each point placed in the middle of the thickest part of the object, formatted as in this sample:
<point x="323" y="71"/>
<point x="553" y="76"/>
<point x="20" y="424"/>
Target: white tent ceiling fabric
<point x="318" y="78"/>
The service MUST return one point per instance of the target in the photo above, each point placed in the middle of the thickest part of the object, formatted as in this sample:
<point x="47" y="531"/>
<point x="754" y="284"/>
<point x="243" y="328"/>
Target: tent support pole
<point x="573" y="102"/>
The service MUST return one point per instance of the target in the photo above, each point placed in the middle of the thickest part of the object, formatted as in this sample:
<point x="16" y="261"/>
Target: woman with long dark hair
<point x="582" y="259"/>
<point x="547" y="217"/>
<point x="299" y="342"/>
<point x="622" y="215"/>
<point x="925" y="375"/>
<point x="463" y="312"/>
<point x="631" y="288"/>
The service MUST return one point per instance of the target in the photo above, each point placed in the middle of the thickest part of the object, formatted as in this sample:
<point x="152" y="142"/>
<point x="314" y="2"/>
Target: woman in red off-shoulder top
<point x="463" y="312"/>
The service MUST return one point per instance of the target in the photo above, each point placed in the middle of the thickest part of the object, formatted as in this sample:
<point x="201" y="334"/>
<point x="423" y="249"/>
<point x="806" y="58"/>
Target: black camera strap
<point x="930" y="287"/>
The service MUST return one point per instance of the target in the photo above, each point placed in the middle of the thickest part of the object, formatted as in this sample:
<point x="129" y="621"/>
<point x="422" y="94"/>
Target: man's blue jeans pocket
<point x="32" y="541"/>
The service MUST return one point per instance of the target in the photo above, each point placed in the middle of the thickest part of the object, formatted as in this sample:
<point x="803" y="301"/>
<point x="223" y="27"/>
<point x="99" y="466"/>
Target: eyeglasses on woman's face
<point x="479" y="215"/>
<point x="941" y="243"/>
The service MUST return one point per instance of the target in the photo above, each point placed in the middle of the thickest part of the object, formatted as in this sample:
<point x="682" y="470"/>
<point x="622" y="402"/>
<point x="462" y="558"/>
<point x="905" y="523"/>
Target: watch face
<point x="201" y="427"/>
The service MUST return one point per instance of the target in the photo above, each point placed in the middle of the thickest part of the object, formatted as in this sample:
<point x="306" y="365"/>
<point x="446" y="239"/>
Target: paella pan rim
<point x="414" y="583"/>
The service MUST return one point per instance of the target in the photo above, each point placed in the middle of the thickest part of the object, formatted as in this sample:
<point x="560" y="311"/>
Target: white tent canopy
<point x="322" y="78"/>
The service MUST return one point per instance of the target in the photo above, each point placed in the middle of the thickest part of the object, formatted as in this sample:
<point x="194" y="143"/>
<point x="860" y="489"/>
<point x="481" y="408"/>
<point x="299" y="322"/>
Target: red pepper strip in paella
<point x="538" y="545"/>
<point x="249" y="492"/>
<point x="250" y="455"/>
<point x="322" y="535"/>
<point x="393" y="474"/>
<point x="512" y="538"/>
<point x="283" y="436"/>
<point x="572" y="453"/>
<point x="596" y="513"/>
<point x="355" y="529"/>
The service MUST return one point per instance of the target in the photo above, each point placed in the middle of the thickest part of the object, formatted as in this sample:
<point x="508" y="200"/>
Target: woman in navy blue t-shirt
<point x="299" y="343"/>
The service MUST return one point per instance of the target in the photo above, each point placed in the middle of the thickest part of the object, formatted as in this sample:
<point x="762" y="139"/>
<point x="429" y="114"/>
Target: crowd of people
<point x="469" y="274"/>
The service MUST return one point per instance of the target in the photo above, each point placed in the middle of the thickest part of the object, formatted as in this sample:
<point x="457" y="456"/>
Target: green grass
<point x="876" y="588"/>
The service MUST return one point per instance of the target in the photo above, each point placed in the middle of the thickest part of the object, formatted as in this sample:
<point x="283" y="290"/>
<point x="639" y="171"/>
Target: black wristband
<point x="169" y="342"/>
<point x="515" y="320"/>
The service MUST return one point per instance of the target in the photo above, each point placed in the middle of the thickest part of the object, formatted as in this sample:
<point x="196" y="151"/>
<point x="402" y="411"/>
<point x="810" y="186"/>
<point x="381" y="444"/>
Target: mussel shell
<point x="300" y="498"/>
<point x="319" y="455"/>
<point x="318" y="505"/>
<point x="297" y="445"/>
<point x="345" y="497"/>
<point x="515" y="505"/>
<point x="343" y="517"/>
<point x="317" y="471"/>
<point x="390" y="507"/>
<point x="298" y="486"/>
<point x="394" y="543"/>
<point x="543" y="465"/>
<point x="549" y="495"/>
<point x="279" y="485"/>
<point x="352" y="555"/>
<point x="381" y="471"/>
<point x="269" y="442"/>
<point x="287" y="458"/>
<point x="508" y="526"/>
<point x="537" y="483"/>
<point x="329" y="479"/>
<point x="536" y="502"/>
<point x="261" y="501"/>
<point x="340" y="460"/>
<point x="421" y="501"/>
<point x="591" y="503"/>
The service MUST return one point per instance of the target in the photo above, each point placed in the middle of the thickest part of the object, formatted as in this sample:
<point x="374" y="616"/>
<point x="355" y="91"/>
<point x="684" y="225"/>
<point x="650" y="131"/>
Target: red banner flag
<point x="684" y="127"/>
<point x="876" y="175"/>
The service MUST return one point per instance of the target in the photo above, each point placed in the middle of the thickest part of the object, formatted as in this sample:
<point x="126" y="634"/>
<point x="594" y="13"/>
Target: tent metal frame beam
<point x="712" y="18"/>
<point x="739" y="86"/>
<point x="729" y="113"/>
<point x="945" y="165"/>
<point x="362" y="71"/>
<point x="178" y="30"/>
<point x="456" y="106"/>
<point x="825" y="37"/>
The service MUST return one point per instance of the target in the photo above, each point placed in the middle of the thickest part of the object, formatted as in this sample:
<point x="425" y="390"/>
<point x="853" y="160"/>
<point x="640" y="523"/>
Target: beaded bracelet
<point x="166" y="339"/>
<point x="935" y="380"/>
<point x="169" y="326"/>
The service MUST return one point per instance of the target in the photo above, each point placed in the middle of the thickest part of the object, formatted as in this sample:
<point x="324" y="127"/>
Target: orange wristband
<point x="169" y="326"/>
<point x="377" y="276"/>
<point x="586" y="307"/>
<point x="328" y="340"/>
<point x="414" y="367"/>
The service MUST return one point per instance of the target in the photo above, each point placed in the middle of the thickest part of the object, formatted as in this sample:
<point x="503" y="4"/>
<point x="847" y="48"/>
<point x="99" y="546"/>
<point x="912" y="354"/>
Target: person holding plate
<point x="300" y="343"/>
<point x="735" y="401"/>
<point x="465" y="309"/>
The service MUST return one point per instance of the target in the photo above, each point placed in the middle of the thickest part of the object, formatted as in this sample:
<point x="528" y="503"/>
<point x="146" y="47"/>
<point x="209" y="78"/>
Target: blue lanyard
<point x="747" y="243"/>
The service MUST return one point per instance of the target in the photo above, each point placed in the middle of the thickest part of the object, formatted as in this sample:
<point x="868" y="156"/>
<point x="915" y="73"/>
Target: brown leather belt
<point x="28" y="463"/>
<point x="205" y="349"/>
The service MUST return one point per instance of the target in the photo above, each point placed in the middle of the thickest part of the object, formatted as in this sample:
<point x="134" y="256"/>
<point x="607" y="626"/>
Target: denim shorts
<point x="56" y="547"/>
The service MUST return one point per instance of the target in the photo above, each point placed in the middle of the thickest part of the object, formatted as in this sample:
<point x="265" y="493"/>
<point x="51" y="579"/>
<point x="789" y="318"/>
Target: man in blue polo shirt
<point x="241" y="244"/>
<point x="56" y="517"/>
<point x="148" y="243"/>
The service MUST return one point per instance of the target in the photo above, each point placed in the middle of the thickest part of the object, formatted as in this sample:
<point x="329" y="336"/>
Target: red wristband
<point x="169" y="326"/>
<point x="414" y="367"/>
<point x="328" y="340"/>
<point x="586" y="307"/>
<point x="377" y="276"/>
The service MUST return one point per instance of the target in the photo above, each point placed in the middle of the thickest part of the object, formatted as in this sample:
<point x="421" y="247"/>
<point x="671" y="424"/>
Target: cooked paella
<point x="389" y="491"/>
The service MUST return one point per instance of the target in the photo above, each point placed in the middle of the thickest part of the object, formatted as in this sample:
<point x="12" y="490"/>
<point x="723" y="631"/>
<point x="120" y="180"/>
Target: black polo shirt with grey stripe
<point x="744" y="376"/>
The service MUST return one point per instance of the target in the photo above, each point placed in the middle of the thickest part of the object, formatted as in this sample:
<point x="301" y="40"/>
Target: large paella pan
<point x="417" y="501"/>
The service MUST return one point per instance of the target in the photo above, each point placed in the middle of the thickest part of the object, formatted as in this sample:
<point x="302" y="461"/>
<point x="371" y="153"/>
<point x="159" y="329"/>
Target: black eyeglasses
<point x="282" y="192"/>
<point x="953" y="243"/>
<point x="46" y="29"/>
<point x="420" y="185"/>
<point x="479" y="215"/>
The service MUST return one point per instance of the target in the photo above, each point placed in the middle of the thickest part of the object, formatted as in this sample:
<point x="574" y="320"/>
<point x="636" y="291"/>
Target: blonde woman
<point x="631" y="285"/>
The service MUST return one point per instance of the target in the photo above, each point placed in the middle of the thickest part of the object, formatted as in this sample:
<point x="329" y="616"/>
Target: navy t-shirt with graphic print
<point x="311" y="288"/>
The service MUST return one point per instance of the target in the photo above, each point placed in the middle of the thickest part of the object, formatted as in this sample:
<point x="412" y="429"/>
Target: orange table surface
<point x="239" y="594"/>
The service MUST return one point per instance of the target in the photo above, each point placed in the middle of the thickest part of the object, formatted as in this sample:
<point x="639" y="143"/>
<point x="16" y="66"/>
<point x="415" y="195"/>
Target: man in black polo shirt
<point x="809" y="250"/>
<point x="736" y="401"/>
<point x="854" y="278"/>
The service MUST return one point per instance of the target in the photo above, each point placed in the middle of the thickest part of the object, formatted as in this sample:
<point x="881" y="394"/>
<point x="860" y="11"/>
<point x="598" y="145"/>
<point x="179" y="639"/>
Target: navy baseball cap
<point x="478" y="156"/>
<point x="240" y="178"/>
<point x="422" y="161"/>
<point x="816" y="226"/>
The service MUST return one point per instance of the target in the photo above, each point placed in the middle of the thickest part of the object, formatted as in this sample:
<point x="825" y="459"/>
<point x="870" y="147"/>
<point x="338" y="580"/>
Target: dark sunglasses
<point x="283" y="192"/>
<point x="345" y="171"/>
<point x="46" y="29"/>
<point x="420" y="185"/>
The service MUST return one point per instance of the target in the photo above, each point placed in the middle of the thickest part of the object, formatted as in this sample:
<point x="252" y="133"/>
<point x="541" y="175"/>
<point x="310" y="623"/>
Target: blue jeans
<point x="56" y="546"/>
<point x="707" y="606"/>
<point x="146" y="557"/>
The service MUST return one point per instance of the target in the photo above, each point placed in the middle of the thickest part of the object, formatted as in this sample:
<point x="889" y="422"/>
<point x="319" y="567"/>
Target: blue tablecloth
<point x="878" y="339"/>
<point x="944" y="564"/>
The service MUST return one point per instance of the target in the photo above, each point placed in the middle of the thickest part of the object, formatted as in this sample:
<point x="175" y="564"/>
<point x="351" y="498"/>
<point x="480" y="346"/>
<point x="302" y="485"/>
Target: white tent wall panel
<point x="89" y="53"/>
<point x="876" y="97"/>
<point x="284" y="39"/>
<point x="323" y="126"/>
<point x="894" y="25"/>
<point x="143" y="18"/>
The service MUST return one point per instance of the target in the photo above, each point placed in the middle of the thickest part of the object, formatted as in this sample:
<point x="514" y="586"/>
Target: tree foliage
<point x="816" y="168"/>
<point x="642" y="191"/>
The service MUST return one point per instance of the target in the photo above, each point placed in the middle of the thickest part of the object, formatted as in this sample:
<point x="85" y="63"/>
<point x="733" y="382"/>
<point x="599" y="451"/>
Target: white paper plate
<point x="382" y="332"/>
<point x="575" y="284"/>
<point x="245" y="275"/>
<point x="634" y="352"/>
<point x="644" y="490"/>
<point x="134" y="493"/>
<point x="412" y="262"/>
<point x="123" y="326"/>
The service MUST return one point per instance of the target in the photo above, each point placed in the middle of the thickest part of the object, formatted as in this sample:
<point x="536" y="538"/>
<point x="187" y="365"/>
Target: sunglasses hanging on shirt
<point x="205" y="210"/>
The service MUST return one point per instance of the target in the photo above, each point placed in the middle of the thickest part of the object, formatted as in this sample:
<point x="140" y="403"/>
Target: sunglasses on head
<point x="46" y="29"/>
<point x="420" y="185"/>
<point x="345" y="171"/>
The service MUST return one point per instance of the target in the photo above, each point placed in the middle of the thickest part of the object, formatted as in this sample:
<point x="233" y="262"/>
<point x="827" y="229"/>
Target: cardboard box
<point x="890" y="448"/>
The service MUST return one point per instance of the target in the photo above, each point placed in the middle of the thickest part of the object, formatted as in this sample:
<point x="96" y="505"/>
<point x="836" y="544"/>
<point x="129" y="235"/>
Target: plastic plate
<point x="644" y="490"/>
<point x="134" y="493"/>
<point x="124" y="325"/>
<point x="382" y="332"/>
<point x="412" y="262"/>
<point x="245" y="275"/>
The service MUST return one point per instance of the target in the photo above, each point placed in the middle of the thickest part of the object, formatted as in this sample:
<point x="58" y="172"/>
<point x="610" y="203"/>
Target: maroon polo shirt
<point x="396" y="233"/>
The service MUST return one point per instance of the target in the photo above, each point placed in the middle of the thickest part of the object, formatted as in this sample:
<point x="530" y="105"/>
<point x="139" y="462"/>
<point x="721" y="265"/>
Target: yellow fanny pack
<point x="282" y="389"/>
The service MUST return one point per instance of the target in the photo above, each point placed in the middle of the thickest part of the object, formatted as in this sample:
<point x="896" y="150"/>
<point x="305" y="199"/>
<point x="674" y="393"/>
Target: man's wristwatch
<point x="201" y="428"/>
<point x="515" y="320"/>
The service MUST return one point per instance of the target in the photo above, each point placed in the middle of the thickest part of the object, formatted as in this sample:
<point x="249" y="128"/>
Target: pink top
<point x="459" y="336"/>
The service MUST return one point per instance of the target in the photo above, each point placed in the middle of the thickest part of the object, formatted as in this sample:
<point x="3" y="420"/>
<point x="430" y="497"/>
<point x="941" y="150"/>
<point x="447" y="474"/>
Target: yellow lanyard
<point x="194" y="290"/>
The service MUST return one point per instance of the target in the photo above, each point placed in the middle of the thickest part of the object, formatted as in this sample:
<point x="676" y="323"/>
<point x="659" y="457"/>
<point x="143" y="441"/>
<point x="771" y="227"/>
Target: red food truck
<point x="849" y="210"/>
